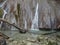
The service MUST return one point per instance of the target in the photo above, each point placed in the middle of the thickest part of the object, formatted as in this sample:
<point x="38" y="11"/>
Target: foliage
<point x="1" y="12"/>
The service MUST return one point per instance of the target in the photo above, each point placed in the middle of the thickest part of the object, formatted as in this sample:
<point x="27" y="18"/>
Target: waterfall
<point x="4" y="14"/>
<point x="35" y="20"/>
<point x="1" y="5"/>
<point x="25" y="24"/>
<point x="3" y="17"/>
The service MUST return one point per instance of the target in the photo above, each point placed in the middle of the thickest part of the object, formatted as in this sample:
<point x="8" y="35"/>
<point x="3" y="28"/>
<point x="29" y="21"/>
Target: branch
<point x="20" y="29"/>
<point x="4" y="36"/>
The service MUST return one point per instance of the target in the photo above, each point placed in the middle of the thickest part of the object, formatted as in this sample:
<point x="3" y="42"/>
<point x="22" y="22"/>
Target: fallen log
<point x="20" y="29"/>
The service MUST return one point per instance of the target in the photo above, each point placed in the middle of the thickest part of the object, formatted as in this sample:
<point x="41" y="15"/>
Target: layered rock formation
<point x="47" y="12"/>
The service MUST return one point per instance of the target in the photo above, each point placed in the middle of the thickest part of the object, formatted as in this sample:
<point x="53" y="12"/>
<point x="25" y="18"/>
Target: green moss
<point x="1" y="12"/>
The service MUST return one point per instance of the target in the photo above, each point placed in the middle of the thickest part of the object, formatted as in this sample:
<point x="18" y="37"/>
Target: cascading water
<point x="4" y="14"/>
<point x="35" y="20"/>
<point x="3" y="11"/>
<point x="2" y="4"/>
<point x="25" y="27"/>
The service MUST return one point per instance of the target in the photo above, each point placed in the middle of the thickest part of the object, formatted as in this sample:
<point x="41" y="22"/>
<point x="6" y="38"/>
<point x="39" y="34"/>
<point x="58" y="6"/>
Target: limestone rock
<point x="15" y="42"/>
<point x="10" y="39"/>
<point x="29" y="43"/>
<point x="40" y="38"/>
<point x="2" y="41"/>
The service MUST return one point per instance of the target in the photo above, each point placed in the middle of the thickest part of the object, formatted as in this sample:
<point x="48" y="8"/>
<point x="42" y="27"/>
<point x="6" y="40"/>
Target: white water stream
<point x="3" y="11"/>
<point x="2" y="4"/>
<point x="35" y="20"/>
<point x="25" y="27"/>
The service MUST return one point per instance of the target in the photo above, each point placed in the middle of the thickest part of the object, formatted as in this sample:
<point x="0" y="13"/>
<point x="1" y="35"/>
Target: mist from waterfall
<point x="35" y="20"/>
